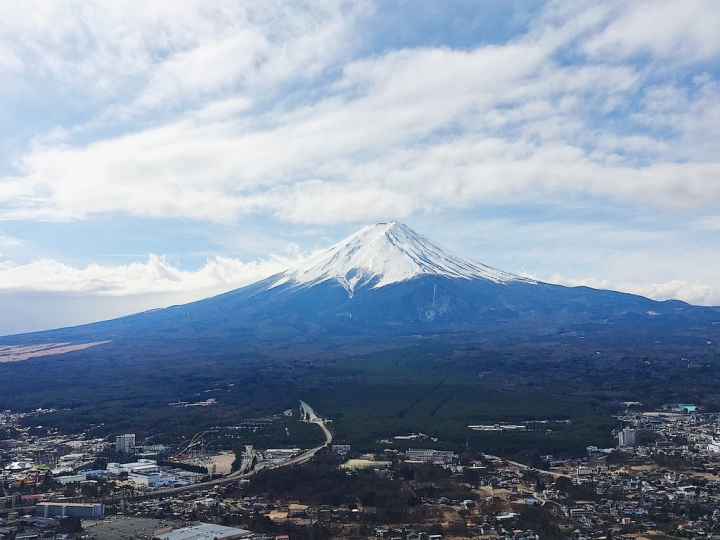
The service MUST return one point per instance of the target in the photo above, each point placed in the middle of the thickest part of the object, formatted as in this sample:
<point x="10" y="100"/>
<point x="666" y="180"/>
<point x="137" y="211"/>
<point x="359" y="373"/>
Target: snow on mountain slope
<point x="385" y="253"/>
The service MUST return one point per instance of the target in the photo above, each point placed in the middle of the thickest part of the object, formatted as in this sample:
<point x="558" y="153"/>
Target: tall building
<point x="627" y="437"/>
<point x="125" y="444"/>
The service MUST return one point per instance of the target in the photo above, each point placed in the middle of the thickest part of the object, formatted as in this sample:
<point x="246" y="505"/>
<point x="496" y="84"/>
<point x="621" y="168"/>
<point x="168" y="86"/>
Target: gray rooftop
<point x="204" y="531"/>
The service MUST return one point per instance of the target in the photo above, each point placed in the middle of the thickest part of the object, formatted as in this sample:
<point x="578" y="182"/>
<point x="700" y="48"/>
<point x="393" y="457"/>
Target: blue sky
<point x="160" y="152"/>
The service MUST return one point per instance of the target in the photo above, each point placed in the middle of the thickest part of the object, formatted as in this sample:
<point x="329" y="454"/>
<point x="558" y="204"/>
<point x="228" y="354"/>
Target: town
<point x="660" y="480"/>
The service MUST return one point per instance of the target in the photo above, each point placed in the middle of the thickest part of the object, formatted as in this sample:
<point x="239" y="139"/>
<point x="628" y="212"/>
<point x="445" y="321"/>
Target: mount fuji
<point x="386" y="253"/>
<point x="387" y="280"/>
<point x="421" y="320"/>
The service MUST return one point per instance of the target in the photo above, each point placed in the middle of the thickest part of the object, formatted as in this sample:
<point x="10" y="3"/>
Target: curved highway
<point x="307" y="415"/>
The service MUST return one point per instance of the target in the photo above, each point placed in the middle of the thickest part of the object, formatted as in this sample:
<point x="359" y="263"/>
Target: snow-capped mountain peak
<point x="384" y="253"/>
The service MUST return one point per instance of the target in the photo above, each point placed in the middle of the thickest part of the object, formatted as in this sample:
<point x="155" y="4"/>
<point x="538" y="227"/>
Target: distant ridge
<point x="385" y="253"/>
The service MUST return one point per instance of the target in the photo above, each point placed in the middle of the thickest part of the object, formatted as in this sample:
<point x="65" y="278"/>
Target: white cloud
<point x="156" y="275"/>
<point x="162" y="52"/>
<point x="679" y="30"/>
<point x="704" y="291"/>
<point x="708" y="223"/>
<point x="510" y="124"/>
<point x="8" y="241"/>
<point x="405" y="131"/>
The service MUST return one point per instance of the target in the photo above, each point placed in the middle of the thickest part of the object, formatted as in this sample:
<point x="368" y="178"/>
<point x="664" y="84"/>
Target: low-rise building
<point x="139" y="465"/>
<point x="71" y="479"/>
<point x="84" y="511"/>
<point x="429" y="456"/>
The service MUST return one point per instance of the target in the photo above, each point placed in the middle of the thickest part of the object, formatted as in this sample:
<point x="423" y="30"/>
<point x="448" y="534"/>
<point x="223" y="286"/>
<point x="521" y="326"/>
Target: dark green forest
<point x="371" y="389"/>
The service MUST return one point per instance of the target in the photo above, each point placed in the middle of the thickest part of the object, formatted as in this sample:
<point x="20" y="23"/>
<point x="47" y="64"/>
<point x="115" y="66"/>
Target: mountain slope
<point x="388" y="280"/>
<point x="386" y="253"/>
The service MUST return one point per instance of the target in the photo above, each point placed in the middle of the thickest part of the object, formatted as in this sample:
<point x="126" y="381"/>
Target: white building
<point x="144" y="472"/>
<point x="627" y="437"/>
<point x="71" y="457"/>
<point x="279" y="455"/>
<point x="204" y="531"/>
<point x="85" y="511"/>
<point x="429" y="456"/>
<point x="141" y="464"/>
<point x="75" y="478"/>
<point x="19" y="466"/>
<point x="150" y="478"/>
<point x="125" y="444"/>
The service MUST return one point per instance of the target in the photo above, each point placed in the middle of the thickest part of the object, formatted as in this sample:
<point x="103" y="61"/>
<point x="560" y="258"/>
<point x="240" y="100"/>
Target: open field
<point x="16" y="353"/>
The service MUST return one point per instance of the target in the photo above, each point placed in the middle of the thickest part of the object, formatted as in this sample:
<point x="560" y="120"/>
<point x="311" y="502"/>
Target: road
<point x="308" y="415"/>
<point x="524" y="467"/>
<point x="247" y="459"/>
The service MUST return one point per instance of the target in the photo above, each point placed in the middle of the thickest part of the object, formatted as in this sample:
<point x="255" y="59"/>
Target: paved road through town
<point x="524" y="467"/>
<point x="307" y="414"/>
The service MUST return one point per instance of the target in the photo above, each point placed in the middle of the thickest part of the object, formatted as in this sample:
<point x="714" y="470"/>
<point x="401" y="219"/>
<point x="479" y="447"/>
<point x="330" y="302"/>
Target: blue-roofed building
<point x="687" y="407"/>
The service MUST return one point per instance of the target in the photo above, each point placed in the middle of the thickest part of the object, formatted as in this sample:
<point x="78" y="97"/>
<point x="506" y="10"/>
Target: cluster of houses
<point x="640" y="500"/>
<point x="661" y="476"/>
<point x="691" y="437"/>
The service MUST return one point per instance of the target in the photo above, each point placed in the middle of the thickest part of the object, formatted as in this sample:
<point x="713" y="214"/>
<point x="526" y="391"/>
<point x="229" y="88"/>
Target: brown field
<point x="223" y="462"/>
<point x="17" y="353"/>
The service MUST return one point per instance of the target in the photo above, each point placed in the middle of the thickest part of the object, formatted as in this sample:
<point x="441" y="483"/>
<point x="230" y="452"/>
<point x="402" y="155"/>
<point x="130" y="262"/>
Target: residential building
<point x="125" y="444"/>
<point x="429" y="456"/>
<point x="627" y="437"/>
<point x="84" y="511"/>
